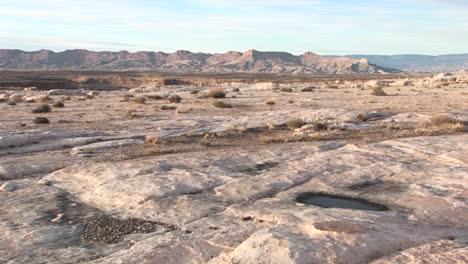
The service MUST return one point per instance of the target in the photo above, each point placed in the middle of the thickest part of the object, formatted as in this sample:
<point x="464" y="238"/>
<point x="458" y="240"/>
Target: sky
<point x="323" y="26"/>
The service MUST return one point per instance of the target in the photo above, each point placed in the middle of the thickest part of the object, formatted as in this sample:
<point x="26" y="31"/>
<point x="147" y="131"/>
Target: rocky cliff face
<point x="184" y="61"/>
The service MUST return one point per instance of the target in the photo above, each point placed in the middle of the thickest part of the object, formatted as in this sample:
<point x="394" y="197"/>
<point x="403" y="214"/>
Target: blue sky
<point x="296" y="26"/>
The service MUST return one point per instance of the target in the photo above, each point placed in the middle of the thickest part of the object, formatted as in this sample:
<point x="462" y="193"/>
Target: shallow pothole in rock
<point x="108" y="230"/>
<point x="335" y="201"/>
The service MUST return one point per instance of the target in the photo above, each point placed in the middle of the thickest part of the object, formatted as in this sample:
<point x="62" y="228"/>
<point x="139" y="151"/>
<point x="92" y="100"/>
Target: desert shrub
<point x="155" y="97"/>
<point x="89" y="96"/>
<point x="264" y="139"/>
<point x="175" y="99"/>
<point x="194" y="92"/>
<point x="139" y="99"/>
<point x="168" y="107"/>
<point x="443" y="119"/>
<point x="42" y="109"/>
<point x="202" y="95"/>
<point x="362" y="117"/>
<point x="270" y="102"/>
<point x="290" y="101"/>
<point x="320" y="126"/>
<point x="127" y="97"/>
<point x="40" y="120"/>
<point x="216" y="93"/>
<point x="151" y="139"/>
<point x="286" y="90"/>
<point x="11" y="102"/>
<point x="295" y="123"/>
<point x="308" y="89"/>
<point x="222" y="104"/>
<point x="236" y="90"/>
<point x="183" y="110"/>
<point x="59" y="104"/>
<point x="378" y="91"/>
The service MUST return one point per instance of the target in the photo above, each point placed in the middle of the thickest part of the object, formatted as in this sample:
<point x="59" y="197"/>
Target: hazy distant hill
<point x="419" y="63"/>
<point x="185" y="61"/>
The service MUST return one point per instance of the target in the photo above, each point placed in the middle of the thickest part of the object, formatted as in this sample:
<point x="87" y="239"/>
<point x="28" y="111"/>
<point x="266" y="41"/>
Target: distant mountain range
<point x="186" y="61"/>
<point x="249" y="61"/>
<point x="419" y="63"/>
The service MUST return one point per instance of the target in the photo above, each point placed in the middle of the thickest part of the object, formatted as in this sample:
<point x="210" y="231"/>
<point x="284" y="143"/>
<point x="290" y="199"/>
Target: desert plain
<point x="141" y="167"/>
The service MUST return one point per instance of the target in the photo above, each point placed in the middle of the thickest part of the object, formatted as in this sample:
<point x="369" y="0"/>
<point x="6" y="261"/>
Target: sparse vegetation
<point x="183" y="110"/>
<point x="41" y="120"/>
<point x="168" y="107"/>
<point x="127" y="97"/>
<point x="308" y="89"/>
<point x="202" y="95"/>
<point x="216" y="93"/>
<point x="443" y="119"/>
<point x="235" y="90"/>
<point x="378" y="91"/>
<point x="286" y="90"/>
<point x="270" y="102"/>
<point x="151" y="139"/>
<point x="222" y="104"/>
<point x="175" y="99"/>
<point x="42" y="109"/>
<point x="320" y="126"/>
<point x="139" y="99"/>
<point x="59" y="104"/>
<point x="362" y="117"/>
<point x="155" y="97"/>
<point x="11" y="102"/>
<point x="264" y="139"/>
<point x="295" y="123"/>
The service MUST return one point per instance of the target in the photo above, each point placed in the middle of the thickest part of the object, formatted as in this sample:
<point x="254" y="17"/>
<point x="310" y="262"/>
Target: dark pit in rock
<point x="108" y="230"/>
<point x="335" y="201"/>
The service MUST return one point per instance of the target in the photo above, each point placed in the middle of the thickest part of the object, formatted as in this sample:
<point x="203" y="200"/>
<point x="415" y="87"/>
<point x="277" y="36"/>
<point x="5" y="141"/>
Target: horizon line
<point x="210" y="53"/>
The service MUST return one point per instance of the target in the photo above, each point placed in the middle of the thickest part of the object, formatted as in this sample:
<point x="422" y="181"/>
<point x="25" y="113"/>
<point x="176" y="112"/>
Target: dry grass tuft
<point x="263" y="139"/>
<point x="447" y="121"/>
<point x="443" y="119"/>
<point x="151" y="139"/>
<point x="139" y="99"/>
<point x="362" y="117"/>
<point x="168" y="107"/>
<point x="308" y="89"/>
<point x="175" y="99"/>
<point x="222" y="104"/>
<point x="127" y="97"/>
<point x="216" y="93"/>
<point x="295" y="123"/>
<point x="378" y="91"/>
<point x="155" y="97"/>
<point x="59" y="104"/>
